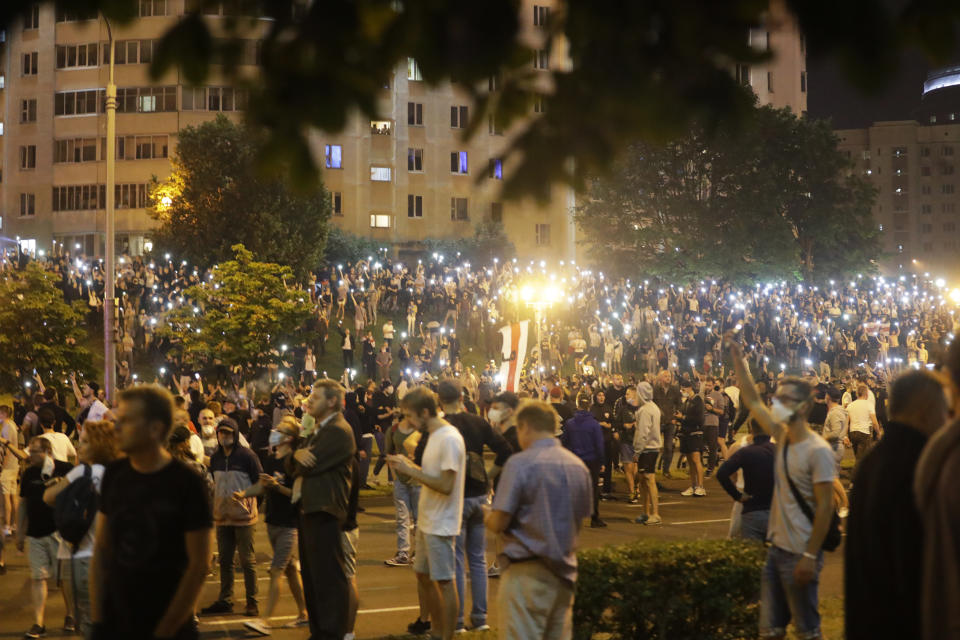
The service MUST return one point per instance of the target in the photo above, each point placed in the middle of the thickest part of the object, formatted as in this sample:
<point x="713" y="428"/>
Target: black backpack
<point x="76" y="507"/>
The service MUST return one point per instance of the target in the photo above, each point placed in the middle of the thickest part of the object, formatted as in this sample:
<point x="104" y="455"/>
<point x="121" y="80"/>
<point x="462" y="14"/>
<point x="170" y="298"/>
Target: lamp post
<point x="109" y="301"/>
<point x="539" y="297"/>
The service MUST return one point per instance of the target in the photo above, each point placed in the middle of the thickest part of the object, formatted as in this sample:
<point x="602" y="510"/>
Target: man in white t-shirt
<point x="63" y="449"/>
<point x="804" y="465"/>
<point x="441" y="504"/>
<point x="863" y="422"/>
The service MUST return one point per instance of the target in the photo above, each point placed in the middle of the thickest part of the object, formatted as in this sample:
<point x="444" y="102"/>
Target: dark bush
<point x="707" y="589"/>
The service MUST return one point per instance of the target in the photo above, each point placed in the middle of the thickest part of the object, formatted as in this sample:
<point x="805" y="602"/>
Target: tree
<point x="215" y="198"/>
<point x="769" y="197"/>
<point x="640" y="70"/>
<point x="344" y="247"/>
<point x="244" y="314"/>
<point x="39" y="329"/>
<point x="489" y="241"/>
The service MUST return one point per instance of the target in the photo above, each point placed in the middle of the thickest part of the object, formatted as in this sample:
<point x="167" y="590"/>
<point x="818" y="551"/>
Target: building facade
<point x="404" y="177"/>
<point x="912" y="165"/>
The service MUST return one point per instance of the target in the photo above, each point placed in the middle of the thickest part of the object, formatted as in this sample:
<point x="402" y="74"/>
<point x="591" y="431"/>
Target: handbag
<point x="834" y="537"/>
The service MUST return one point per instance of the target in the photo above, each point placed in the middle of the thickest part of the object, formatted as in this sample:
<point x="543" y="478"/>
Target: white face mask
<point x="277" y="438"/>
<point x="496" y="416"/>
<point x="208" y="431"/>
<point x="779" y="412"/>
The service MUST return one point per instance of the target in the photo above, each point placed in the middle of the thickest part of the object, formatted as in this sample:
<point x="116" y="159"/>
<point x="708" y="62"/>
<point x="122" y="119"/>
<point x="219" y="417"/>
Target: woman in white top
<point x="98" y="448"/>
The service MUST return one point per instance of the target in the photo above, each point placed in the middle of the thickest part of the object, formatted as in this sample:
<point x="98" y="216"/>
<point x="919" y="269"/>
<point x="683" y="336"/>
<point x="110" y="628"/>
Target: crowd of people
<point x="623" y="373"/>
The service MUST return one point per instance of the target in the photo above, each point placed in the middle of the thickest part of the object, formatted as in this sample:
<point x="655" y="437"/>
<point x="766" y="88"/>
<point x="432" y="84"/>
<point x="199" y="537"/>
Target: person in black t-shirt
<point x="281" y="517"/>
<point x="471" y="543"/>
<point x="35" y="522"/>
<point x="152" y="549"/>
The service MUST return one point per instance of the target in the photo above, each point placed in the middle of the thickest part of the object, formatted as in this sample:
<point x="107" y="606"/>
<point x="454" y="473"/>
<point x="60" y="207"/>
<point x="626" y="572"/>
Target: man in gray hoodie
<point x="647" y="441"/>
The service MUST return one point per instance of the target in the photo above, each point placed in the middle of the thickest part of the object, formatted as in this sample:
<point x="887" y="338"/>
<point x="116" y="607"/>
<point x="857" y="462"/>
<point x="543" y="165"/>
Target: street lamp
<point x="109" y="301"/>
<point x="540" y="296"/>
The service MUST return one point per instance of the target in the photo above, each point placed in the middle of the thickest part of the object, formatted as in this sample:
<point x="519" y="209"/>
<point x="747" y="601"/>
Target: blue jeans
<point x="405" y="498"/>
<point x="472" y="542"/>
<point x="753" y="525"/>
<point x="782" y="600"/>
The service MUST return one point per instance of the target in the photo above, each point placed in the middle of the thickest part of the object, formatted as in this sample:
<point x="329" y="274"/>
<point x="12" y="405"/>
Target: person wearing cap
<point x="471" y="542"/>
<point x="281" y="517"/>
<point x="692" y="415"/>
<point x="647" y="441"/>
<point x="234" y="468"/>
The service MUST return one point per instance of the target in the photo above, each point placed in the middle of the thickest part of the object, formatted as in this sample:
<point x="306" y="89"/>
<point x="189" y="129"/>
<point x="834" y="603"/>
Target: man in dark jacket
<point x="756" y="460"/>
<point x="883" y="559"/>
<point x="323" y="469"/>
<point x="64" y="423"/>
<point x="692" y="415"/>
<point x="666" y="396"/>
<point x="583" y="436"/>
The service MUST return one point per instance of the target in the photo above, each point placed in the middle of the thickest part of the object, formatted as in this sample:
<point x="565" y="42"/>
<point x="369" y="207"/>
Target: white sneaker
<point x="652" y="520"/>
<point x="699" y="492"/>
<point x="689" y="492"/>
<point x="257" y="626"/>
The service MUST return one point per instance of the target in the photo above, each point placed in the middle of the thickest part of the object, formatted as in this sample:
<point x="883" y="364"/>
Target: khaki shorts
<point x="283" y="541"/>
<point x="8" y="481"/>
<point x="350" y="541"/>
<point x="42" y="554"/>
<point x="436" y="556"/>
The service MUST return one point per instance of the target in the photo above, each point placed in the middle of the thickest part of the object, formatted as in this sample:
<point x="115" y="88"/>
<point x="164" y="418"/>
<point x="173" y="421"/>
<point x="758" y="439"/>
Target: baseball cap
<point x="227" y="424"/>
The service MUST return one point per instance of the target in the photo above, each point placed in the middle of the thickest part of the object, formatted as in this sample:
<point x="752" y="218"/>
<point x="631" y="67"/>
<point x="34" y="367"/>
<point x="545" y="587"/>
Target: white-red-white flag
<point x="514" y="352"/>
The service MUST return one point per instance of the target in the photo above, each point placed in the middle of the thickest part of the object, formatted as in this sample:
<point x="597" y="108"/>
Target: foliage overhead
<point x="215" y="198"/>
<point x="39" y="329"/>
<point x="243" y="316"/>
<point x="766" y="198"/>
<point x="637" y="70"/>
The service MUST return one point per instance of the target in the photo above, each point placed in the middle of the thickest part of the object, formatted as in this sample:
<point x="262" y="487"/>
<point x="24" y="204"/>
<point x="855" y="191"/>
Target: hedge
<point x="669" y="590"/>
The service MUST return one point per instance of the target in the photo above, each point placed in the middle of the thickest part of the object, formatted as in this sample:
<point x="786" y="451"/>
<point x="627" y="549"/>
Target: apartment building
<point x="914" y="167"/>
<point x="403" y="177"/>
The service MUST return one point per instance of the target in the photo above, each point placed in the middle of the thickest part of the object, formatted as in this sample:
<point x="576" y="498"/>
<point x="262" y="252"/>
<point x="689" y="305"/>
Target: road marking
<point x="702" y="521"/>
<point x="236" y="619"/>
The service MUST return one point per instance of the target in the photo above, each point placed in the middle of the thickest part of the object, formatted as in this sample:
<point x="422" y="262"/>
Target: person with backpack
<point x="802" y="517"/>
<point x="35" y="522"/>
<point x="74" y="499"/>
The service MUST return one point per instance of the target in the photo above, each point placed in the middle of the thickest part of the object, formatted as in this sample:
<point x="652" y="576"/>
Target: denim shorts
<point x="782" y="600"/>
<point x="436" y="556"/>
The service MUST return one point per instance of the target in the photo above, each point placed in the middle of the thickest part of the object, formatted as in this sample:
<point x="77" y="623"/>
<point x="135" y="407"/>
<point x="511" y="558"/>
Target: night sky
<point x="831" y="96"/>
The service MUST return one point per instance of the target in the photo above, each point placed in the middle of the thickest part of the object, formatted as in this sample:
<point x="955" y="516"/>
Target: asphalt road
<point x="388" y="597"/>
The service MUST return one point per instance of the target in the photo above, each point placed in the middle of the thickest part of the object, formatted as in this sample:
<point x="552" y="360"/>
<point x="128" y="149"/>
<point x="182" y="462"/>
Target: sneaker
<point x="301" y="621"/>
<point x="218" y="607"/>
<point x="699" y="492"/>
<point x="419" y="626"/>
<point x="641" y="519"/>
<point x="69" y="625"/>
<point x="7" y="532"/>
<point x="493" y="571"/>
<point x="668" y="475"/>
<point x="459" y="631"/>
<point x="36" y="631"/>
<point x="481" y="627"/>
<point x="687" y="493"/>
<point x="597" y="523"/>
<point x="843" y="512"/>
<point x="399" y="560"/>
<point x="251" y="610"/>
<point x="634" y="500"/>
<point x="257" y="626"/>
<point x="654" y="520"/>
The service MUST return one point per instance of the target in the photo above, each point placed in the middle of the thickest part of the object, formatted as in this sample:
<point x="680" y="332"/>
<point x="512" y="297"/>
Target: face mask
<point x="277" y="438"/>
<point x="779" y="412"/>
<point x="633" y="402"/>
<point x="388" y="390"/>
<point x="496" y="415"/>
<point x="226" y="442"/>
<point x="207" y="431"/>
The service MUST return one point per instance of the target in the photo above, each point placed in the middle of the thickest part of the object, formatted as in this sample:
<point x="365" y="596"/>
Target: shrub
<point x="669" y="590"/>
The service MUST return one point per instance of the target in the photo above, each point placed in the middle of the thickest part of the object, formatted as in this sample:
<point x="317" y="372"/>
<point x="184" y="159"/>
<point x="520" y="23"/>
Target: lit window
<point x="381" y="127"/>
<point x="334" y="156"/>
<point x="496" y="168"/>
<point x="458" y="162"/>
<point x="381" y="174"/>
<point x="413" y="70"/>
<point x="379" y="221"/>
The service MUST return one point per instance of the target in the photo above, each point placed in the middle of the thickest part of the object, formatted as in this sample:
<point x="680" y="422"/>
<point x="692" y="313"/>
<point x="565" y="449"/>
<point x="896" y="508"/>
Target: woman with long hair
<point x="98" y="448"/>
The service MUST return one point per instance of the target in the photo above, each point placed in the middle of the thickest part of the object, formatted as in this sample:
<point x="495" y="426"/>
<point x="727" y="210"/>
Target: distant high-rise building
<point x="401" y="178"/>
<point x="913" y="167"/>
